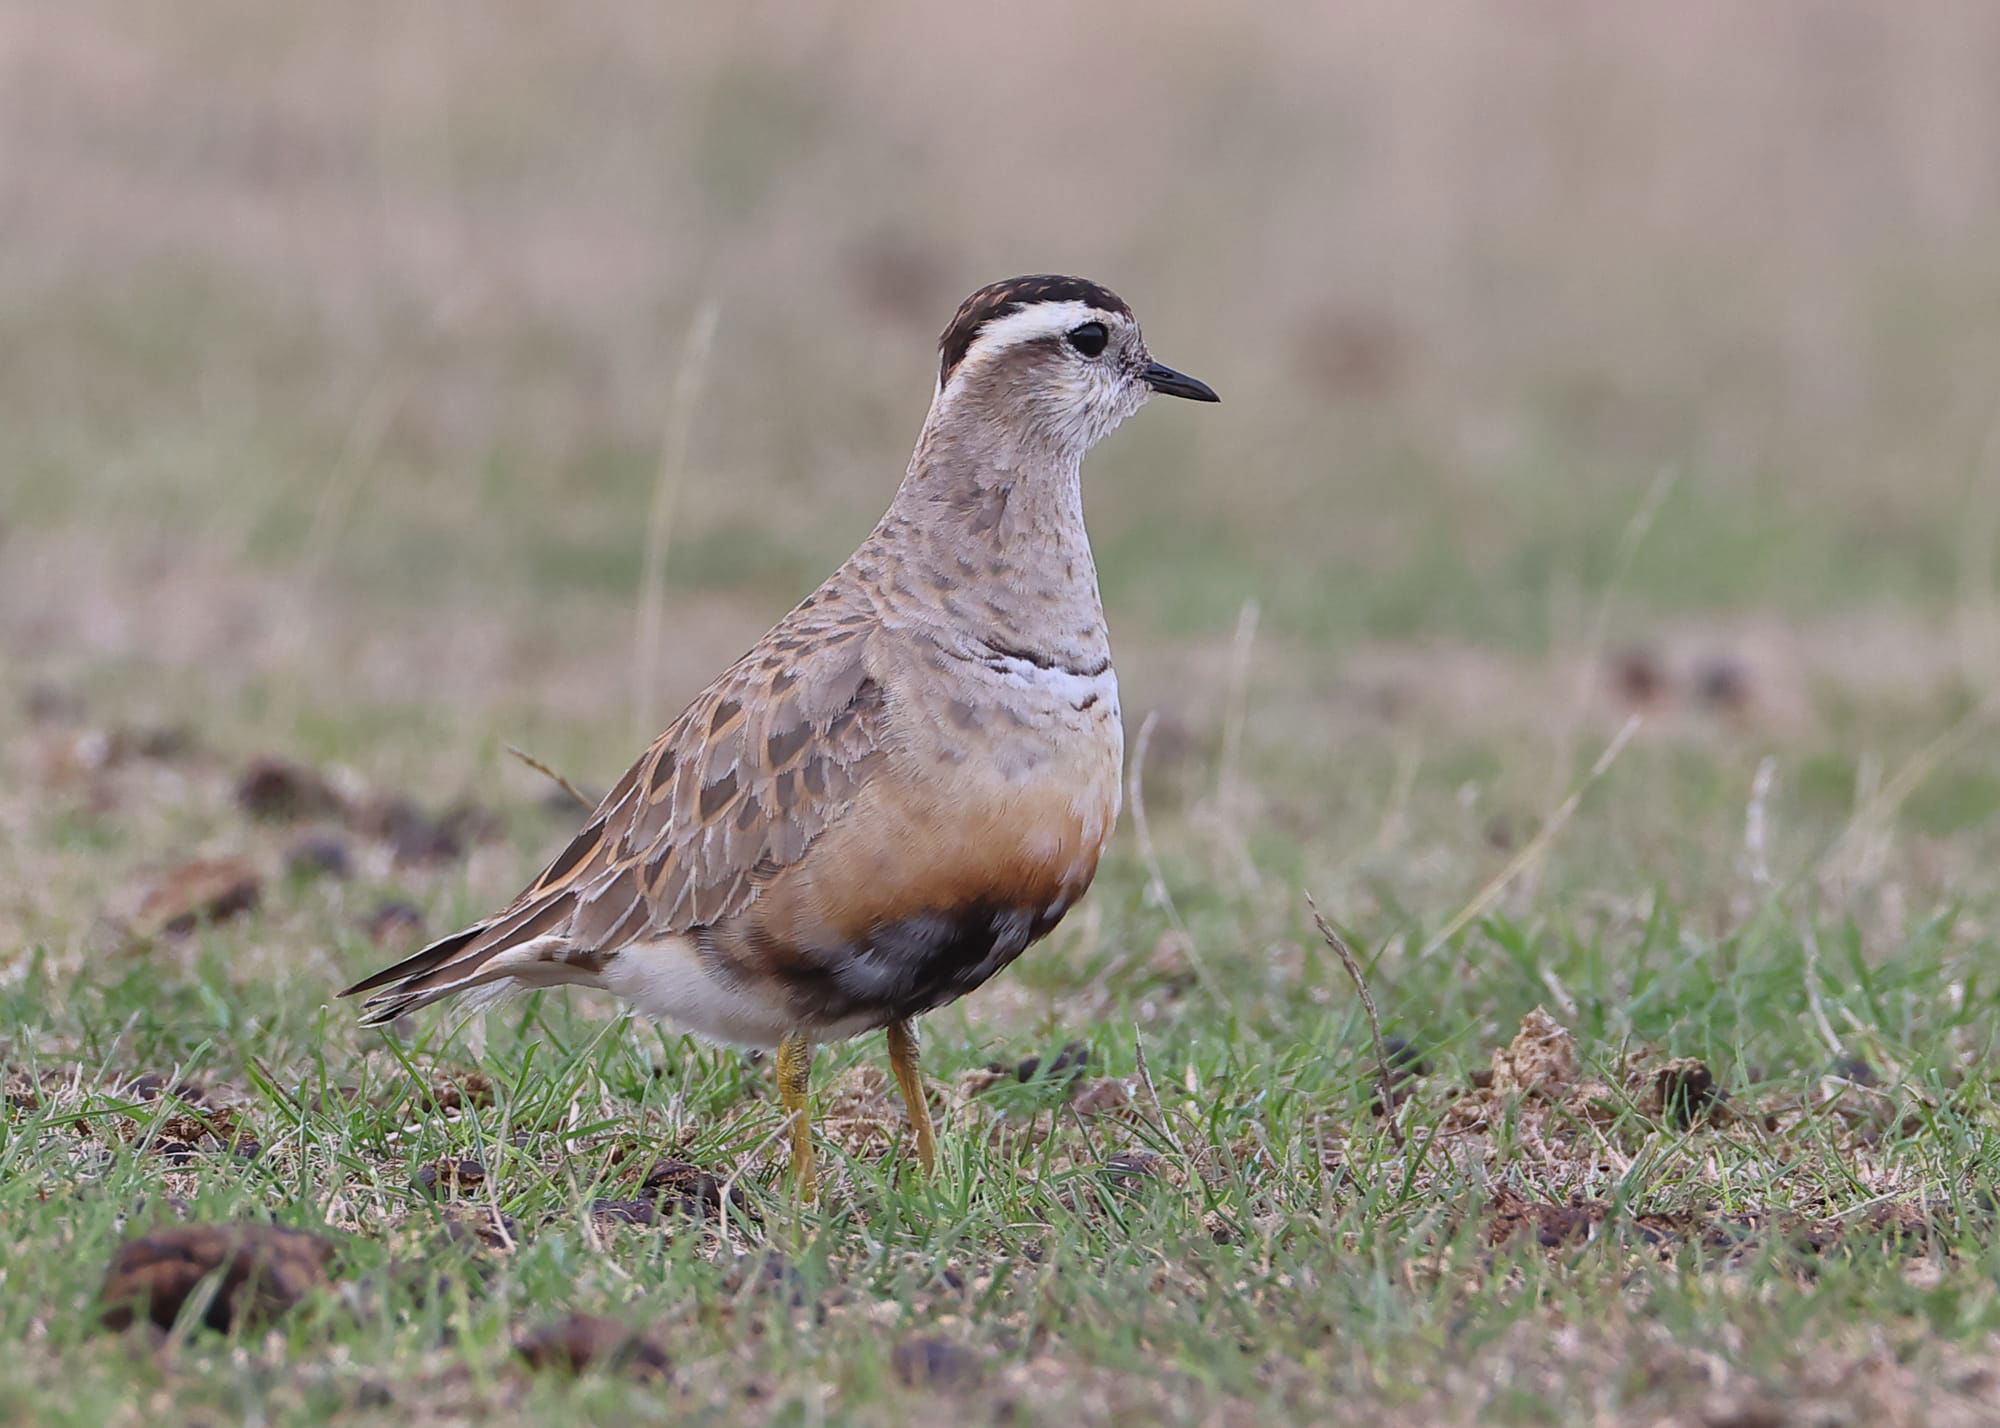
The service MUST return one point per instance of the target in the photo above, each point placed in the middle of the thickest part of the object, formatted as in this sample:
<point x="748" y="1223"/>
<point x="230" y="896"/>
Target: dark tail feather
<point x="386" y="1008"/>
<point x="454" y="964"/>
<point x="415" y="965"/>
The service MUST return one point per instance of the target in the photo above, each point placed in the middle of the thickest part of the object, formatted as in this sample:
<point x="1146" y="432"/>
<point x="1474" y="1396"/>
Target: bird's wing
<point x="736" y="790"/>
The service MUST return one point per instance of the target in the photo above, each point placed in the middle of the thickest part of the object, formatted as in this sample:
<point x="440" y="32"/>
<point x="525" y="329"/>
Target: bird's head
<point x="1055" y="362"/>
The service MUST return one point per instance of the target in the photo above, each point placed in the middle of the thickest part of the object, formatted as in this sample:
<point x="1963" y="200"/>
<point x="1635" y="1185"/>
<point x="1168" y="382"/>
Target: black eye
<point x="1089" y="339"/>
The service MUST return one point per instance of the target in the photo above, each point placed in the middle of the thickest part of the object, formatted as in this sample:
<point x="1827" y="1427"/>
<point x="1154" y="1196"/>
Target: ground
<point x="1585" y="596"/>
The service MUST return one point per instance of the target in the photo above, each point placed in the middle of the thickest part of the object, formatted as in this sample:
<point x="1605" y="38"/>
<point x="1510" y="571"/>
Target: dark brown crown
<point x="1011" y="295"/>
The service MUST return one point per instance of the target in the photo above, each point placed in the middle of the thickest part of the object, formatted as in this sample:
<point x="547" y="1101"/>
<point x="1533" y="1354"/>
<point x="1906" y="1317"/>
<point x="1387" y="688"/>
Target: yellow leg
<point x="795" y="1059"/>
<point x="909" y="1077"/>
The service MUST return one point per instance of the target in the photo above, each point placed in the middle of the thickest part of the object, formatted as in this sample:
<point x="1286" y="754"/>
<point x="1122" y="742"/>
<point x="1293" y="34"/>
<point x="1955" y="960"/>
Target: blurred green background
<point x="339" y="342"/>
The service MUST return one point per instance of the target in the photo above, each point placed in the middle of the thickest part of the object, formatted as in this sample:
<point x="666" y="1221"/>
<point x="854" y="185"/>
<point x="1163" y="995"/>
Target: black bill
<point x="1168" y="382"/>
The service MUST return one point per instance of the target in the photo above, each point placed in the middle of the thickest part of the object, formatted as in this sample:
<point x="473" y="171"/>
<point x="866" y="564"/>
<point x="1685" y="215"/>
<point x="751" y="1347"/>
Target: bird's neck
<point x="993" y="521"/>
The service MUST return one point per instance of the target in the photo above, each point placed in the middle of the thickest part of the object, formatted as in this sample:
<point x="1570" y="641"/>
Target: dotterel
<point x="907" y="781"/>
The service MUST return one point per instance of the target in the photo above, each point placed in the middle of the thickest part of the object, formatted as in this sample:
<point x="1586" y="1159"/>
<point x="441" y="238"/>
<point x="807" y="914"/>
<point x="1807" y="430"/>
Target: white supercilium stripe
<point x="1042" y="319"/>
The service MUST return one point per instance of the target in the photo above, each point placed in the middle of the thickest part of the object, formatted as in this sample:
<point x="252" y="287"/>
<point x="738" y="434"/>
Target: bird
<point x="904" y="784"/>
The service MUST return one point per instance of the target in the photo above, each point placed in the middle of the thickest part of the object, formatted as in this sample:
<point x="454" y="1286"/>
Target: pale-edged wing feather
<point x="736" y="790"/>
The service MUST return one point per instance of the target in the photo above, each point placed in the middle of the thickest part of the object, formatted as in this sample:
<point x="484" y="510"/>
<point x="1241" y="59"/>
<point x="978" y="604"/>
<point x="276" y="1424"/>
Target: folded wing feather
<point x="763" y="762"/>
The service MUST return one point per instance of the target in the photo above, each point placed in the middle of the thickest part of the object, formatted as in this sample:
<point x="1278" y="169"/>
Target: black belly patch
<point x="919" y="963"/>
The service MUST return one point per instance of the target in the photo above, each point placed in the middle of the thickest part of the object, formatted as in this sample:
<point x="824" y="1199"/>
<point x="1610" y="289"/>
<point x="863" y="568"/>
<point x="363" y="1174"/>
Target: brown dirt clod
<point x="150" y="1086"/>
<point x="1129" y="1167"/>
<point x="201" y="891"/>
<point x="264" y="1271"/>
<point x="278" y="790"/>
<point x="1511" y="1216"/>
<point x="578" y="1343"/>
<point x="766" y="1274"/>
<point x="455" y="1093"/>
<point x="315" y="855"/>
<point x="1539" y="1062"/>
<point x="420" y="839"/>
<point x="1723" y="685"/>
<point x="1855" y="1069"/>
<point x="1684" y="1093"/>
<point x="480" y="1227"/>
<point x="1069" y="1061"/>
<point x="687" y="1189"/>
<point x="1756" y="1413"/>
<point x="449" y="1177"/>
<point x="1401" y="1065"/>
<point x="52" y="704"/>
<point x="926" y="1362"/>
<point x="1104" y="1094"/>
<point x="1639" y="678"/>
<point x="393" y="923"/>
<point x="673" y="1189"/>
<point x="413" y="835"/>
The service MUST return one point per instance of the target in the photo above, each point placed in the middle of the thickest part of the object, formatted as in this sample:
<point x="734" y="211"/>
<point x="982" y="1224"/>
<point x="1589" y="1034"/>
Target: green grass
<point x="1279" y="1252"/>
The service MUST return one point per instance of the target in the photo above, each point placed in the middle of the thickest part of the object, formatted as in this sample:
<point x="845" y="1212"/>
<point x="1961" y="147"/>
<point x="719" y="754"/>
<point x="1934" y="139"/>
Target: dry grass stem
<point x="1384" y="1074"/>
<point x="1149" y="853"/>
<point x="552" y="776"/>
<point x="649" y="630"/>
<point x="1533" y="850"/>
